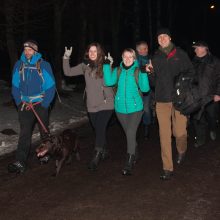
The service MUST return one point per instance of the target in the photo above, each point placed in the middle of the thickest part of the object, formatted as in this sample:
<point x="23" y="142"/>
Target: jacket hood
<point x="33" y="59"/>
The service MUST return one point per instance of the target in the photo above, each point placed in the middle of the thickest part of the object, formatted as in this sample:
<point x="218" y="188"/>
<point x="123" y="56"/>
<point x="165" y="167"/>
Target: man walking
<point x="33" y="89"/>
<point x="168" y="62"/>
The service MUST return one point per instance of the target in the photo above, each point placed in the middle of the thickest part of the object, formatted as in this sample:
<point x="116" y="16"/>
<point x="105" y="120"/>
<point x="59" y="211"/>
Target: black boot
<point x="93" y="165"/>
<point x="129" y="164"/>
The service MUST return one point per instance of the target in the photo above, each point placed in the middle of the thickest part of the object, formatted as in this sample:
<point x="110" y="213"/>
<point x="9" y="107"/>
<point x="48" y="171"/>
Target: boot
<point x="129" y="165"/>
<point x="93" y="165"/>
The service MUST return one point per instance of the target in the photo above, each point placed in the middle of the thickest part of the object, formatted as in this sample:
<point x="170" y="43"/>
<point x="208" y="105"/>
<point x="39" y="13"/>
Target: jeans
<point x="147" y="115"/>
<point x="99" y="121"/>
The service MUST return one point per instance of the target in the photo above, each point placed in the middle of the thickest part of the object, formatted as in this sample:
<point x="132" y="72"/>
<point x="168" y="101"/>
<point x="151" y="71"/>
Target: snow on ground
<point x="70" y="112"/>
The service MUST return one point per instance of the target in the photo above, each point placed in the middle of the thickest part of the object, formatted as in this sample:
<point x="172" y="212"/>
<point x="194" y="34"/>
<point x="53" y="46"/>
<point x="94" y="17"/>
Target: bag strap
<point x="39" y="69"/>
<point x="21" y="69"/>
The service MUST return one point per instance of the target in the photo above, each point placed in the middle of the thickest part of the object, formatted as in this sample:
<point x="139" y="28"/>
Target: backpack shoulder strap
<point x="21" y="68"/>
<point x="39" y="69"/>
<point x="118" y="71"/>
<point x="136" y="74"/>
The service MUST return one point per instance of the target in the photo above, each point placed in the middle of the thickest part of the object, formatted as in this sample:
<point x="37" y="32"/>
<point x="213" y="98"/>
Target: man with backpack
<point x="33" y="89"/>
<point x="207" y="77"/>
<point x="167" y="63"/>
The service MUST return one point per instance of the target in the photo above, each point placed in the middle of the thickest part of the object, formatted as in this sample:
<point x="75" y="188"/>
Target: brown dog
<point x="60" y="147"/>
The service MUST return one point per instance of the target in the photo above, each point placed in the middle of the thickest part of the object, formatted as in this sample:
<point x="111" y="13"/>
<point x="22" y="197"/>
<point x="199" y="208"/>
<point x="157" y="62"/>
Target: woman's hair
<point x="99" y="60"/>
<point x="131" y="51"/>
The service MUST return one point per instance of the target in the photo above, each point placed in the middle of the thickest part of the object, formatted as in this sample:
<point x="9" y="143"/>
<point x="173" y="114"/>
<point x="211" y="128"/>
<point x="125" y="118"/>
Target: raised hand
<point x="109" y="57"/>
<point x="67" y="53"/>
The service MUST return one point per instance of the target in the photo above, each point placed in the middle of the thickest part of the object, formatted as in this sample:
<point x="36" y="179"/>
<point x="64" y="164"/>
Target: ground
<point x="77" y="193"/>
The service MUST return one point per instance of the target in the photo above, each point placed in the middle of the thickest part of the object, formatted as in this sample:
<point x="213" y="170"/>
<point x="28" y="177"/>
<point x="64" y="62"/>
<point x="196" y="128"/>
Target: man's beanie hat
<point x="200" y="44"/>
<point x="163" y="31"/>
<point x="32" y="44"/>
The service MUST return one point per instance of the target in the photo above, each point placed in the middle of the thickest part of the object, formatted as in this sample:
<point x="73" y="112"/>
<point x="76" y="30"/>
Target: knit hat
<point x="32" y="44"/>
<point x="200" y="44"/>
<point x="163" y="31"/>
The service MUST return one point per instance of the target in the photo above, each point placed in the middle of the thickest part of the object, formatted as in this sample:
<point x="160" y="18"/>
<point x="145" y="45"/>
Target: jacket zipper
<point x="126" y="90"/>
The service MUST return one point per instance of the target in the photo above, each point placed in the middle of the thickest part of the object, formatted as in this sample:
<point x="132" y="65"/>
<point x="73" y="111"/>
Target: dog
<point x="61" y="147"/>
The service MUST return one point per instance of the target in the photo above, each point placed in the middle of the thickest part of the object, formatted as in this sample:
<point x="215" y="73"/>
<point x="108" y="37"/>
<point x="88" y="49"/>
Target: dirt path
<point x="77" y="193"/>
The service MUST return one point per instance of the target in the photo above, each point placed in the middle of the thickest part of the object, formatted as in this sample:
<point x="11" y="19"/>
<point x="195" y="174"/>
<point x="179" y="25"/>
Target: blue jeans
<point x="147" y="116"/>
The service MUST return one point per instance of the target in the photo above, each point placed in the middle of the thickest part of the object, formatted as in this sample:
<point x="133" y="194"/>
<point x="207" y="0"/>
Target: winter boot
<point x="129" y="165"/>
<point x="93" y="165"/>
<point x="16" y="167"/>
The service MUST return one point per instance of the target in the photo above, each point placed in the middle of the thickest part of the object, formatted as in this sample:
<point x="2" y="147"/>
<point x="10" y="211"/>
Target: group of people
<point x="126" y="90"/>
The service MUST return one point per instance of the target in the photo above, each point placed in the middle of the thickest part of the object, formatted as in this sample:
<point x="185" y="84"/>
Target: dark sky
<point x="191" y="20"/>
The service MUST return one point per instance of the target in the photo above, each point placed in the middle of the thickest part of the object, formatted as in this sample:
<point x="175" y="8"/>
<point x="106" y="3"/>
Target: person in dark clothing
<point x="143" y="58"/>
<point x="167" y="62"/>
<point x="207" y="76"/>
<point x="33" y="89"/>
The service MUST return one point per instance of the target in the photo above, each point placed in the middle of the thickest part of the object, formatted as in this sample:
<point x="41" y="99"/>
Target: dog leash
<point x="31" y="106"/>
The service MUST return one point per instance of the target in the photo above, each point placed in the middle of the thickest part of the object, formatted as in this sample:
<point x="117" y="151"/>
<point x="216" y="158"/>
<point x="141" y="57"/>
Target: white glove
<point x="67" y="53"/>
<point x="109" y="57"/>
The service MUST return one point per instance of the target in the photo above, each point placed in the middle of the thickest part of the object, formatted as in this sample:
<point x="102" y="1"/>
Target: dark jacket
<point x="166" y="68"/>
<point x="207" y="75"/>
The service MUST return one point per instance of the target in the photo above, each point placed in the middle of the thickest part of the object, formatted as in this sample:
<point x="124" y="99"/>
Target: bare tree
<point x="10" y="7"/>
<point x="59" y="6"/>
<point x="150" y="23"/>
<point x="116" y="7"/>
<point x="137" y="25"/>
<point x="158" y="21"/>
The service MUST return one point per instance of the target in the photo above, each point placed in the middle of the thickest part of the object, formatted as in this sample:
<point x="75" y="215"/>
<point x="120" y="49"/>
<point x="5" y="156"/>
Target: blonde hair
<point x="130" y="50"/>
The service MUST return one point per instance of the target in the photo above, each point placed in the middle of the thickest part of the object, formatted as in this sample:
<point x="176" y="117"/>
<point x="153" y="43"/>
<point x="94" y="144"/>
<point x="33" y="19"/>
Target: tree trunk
<point x="84" y="25"/>
<point x="158" y="13"/>
<point x="150" y="30"/>
<point x="116" y="15"/>
<point x="25" y="19"/>
<point x="137" y="25"/>
<point x="58" y="9"/>
<point x="10" y="41"/>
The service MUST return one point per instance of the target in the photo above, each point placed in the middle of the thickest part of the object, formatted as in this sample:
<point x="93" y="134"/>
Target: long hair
<point x="98" y="63"/>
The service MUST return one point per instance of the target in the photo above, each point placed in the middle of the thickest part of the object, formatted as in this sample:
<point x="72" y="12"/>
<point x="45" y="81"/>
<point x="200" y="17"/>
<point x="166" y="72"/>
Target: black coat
<point x="166" y="68"/>
<point x="207" y="74"/>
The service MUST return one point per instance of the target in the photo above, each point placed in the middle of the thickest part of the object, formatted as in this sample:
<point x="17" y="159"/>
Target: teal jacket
<point x="128" y="98"/>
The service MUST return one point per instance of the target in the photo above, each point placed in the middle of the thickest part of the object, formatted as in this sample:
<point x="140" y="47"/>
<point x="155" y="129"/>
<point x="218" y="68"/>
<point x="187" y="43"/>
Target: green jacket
<point x="128" y="98"/>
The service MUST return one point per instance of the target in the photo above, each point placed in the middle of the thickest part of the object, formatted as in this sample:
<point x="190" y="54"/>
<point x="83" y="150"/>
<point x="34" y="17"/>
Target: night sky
<point x="188" y="21"/>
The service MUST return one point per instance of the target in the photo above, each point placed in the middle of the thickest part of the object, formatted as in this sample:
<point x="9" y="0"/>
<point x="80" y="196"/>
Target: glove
<point x="67" y="53"/>
<point x="143" y="69"/>
<point x="109" y="58"/>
